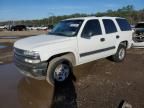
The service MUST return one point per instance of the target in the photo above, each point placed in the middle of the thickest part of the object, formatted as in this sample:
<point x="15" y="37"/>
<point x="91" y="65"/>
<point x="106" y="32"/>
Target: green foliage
<point x="127" y="12"/>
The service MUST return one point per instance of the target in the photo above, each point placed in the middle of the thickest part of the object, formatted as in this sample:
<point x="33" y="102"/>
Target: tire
<point x="120" y="54"/>
<point x="59" y="70"/>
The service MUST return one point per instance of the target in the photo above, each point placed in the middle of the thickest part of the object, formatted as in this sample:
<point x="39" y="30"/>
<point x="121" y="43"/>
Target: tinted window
<point x="109" y="26"/>
<point x="92" y="27"/>
<point x="123" y="24"/>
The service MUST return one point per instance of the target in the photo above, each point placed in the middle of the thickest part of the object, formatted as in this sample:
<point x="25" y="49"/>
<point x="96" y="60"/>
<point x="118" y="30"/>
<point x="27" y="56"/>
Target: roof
<point x="94" y="17"/>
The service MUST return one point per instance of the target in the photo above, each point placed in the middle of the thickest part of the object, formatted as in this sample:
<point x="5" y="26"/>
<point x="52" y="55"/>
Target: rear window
<point x="123" y="24"/>
<point x="109" y="26"/>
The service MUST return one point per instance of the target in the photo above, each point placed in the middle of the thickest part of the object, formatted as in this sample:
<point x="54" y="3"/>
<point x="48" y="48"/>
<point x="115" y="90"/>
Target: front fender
<point x="46" y="55"/>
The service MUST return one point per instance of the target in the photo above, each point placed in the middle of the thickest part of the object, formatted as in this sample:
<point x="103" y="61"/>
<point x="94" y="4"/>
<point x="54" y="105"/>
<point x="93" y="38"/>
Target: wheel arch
<point x="67" y="55"/>
<point x="125" y="43"/>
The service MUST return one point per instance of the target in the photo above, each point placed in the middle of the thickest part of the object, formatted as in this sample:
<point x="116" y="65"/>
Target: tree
<point x="127" y="12"/>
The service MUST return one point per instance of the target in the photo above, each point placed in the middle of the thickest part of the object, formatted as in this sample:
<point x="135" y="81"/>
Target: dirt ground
<point x="98" y="84"/>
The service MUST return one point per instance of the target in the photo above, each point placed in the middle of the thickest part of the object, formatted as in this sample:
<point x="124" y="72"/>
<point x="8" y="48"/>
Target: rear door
<point x="111" y="35"/>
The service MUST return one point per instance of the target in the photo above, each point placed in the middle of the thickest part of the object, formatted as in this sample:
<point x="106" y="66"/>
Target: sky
<point x="38" y="9"/>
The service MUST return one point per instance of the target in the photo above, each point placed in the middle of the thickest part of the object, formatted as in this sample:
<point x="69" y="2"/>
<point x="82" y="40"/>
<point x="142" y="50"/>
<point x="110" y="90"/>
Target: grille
<point x="18" y="51"/>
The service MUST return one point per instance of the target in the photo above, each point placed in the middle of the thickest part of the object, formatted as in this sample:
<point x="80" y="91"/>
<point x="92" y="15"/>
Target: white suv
<point x="72" y="42"/>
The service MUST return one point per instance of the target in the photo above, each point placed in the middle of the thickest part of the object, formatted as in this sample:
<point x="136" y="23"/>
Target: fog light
<point x="35" y="70"/>
<point x="31" y="61"/>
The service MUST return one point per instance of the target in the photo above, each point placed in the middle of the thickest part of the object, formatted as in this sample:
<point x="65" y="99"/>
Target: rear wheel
<point x="120" y="54"/>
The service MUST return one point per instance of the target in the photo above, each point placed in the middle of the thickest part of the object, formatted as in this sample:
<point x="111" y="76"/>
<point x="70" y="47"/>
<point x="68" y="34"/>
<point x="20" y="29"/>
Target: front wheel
<point x="120" y="54"/>
<point x="58" y="71"/>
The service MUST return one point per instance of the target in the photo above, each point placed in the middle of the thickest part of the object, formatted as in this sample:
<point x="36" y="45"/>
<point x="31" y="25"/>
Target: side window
<point x="92" y="27"/>
<point x="109" y="26"/>
<point x="123" y="24"/>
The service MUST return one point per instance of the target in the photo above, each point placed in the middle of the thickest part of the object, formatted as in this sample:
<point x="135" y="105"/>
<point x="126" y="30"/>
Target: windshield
<point x="140" y="25"/>
<point x="67" y="28"/>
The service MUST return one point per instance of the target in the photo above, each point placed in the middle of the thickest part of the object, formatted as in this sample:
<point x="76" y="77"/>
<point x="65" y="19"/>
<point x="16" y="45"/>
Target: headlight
<point x="32" y="54"/>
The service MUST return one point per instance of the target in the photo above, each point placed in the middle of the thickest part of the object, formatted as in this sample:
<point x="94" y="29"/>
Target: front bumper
<point x="37" y="70"/>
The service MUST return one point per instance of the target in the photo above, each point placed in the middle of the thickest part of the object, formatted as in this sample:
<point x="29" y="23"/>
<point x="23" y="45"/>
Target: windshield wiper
<point x="57" y="33"/>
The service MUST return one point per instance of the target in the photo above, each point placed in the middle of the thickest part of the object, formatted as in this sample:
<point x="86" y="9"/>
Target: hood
<point x="37" y="41"/>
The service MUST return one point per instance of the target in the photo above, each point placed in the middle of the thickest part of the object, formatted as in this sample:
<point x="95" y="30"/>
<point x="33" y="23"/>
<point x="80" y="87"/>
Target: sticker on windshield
<point x="74" y="25"/>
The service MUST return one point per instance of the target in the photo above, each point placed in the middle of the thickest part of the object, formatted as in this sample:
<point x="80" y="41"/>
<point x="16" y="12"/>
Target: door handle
<point x="117" y="36"/>
<point x="102" y="39"/>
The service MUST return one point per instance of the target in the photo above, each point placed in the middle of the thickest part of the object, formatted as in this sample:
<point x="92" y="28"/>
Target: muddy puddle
<point x="3" y="46"/>
<point x="17" y="91"/>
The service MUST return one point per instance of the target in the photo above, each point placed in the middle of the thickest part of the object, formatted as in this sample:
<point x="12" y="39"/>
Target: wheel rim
<point x="61" y="72"/>
<point x="121" y="53"/>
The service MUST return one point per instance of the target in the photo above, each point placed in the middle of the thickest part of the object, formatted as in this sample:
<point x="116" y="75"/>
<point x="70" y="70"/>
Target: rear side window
<point x="93" y="27"/>
<point x="109" y="26"/>
<point x="123" y="24"/>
